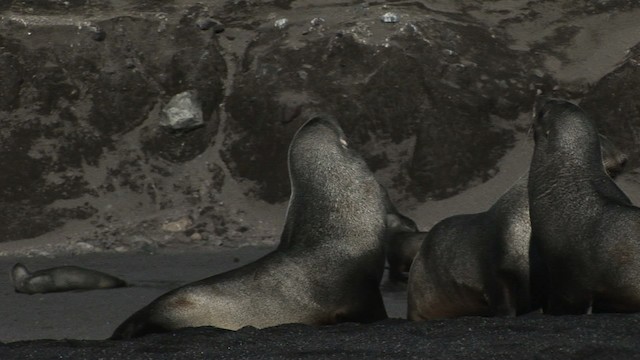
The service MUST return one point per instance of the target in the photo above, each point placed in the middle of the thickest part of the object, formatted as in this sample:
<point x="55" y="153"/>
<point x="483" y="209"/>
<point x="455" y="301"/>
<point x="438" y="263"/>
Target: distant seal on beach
<point x="585" y="231"/>
<point x="62" y="278"/>
<point x="327" y="267"/>
<point x="478" y="264"/>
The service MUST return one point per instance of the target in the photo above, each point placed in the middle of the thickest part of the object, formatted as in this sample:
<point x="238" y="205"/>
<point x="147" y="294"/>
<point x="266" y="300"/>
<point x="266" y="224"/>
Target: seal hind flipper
<point x="137" y="325"/>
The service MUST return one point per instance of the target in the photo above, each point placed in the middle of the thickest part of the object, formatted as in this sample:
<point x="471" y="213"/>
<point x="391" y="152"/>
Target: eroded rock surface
<point x="80" y="115"/>
<point x="433" y="99"/>
<point x="614" y="103"/>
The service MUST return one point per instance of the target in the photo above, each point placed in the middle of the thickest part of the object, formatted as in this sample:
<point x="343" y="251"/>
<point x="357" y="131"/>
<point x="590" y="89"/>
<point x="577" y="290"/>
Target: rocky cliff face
<point x="433" y="93"/>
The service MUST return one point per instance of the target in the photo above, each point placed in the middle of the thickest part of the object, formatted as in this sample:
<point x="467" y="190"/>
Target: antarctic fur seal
<point x="585" y="231"/>
<point x="478" y="264"/>
<point x="62" y="278"/>
<point x="402" y="248"/>
<point x="474" y="264"/>
<point x="327" y="267"/>
<point x="403" y="241"/>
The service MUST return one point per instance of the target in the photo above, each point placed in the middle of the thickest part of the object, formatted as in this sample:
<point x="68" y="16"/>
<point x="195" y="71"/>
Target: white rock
<point x="178" y="225"/>
<point x="281" y="23"/>
<point x="389" y="18"/>
<point x="182" y="112"/>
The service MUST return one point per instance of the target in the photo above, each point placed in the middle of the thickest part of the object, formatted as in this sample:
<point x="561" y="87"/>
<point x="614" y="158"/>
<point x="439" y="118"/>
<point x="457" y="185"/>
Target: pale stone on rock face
<point x="389" y="18"/>
<point x="182" y="112"/>
<point x="178" y="225"/>
<point x="281" y="23"/>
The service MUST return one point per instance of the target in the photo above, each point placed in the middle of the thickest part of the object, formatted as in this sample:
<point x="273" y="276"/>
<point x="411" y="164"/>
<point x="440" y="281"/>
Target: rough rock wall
<point x="615" y="105"/>
<point x="432" y="93"/>
<point x="80" y="106"/>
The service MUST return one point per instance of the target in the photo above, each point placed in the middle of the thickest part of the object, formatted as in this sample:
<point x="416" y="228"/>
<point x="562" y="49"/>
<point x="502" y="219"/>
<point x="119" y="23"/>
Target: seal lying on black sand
<point x="478" y="264"/>
<point x="327" y="267"/>
<point x="62" y="278"/>
<point x="585" y="240"/>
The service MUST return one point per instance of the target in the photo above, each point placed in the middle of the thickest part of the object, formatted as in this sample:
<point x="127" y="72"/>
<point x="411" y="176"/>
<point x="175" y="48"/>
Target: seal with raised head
<point x="327" y="267"/>
<point x="585" y="231"/>
<point x="61" y="278"/>
<point x="478" y="264"/>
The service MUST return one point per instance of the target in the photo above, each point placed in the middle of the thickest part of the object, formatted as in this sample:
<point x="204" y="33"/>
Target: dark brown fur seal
<point x="403" y="242"/>
<point x="585" y="241"/>
<point x="62" y="278"/>
<point x="327" y="267"/>
<point x="478" y="264"/>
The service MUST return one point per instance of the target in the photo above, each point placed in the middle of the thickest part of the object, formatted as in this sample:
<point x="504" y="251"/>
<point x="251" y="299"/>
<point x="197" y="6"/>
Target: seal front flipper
<point x="137" y="325"/>
<point x="504" y="297"/>
<point x="371" y="310"/>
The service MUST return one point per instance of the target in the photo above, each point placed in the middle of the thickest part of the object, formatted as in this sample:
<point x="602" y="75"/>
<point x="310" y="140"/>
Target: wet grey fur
<point x="62" y="278"/>
<point x="327" y="267"/>
<point x="585" y="246"/>
<point x="478" y="264"/>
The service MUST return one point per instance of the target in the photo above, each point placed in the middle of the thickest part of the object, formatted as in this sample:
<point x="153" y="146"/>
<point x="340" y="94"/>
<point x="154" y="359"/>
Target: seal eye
<point x="343" y="142"/>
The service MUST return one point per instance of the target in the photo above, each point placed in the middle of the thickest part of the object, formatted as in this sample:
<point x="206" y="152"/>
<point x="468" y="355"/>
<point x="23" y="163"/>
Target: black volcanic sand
<point x="536" y="336"/>
<point x="94" y="315"/>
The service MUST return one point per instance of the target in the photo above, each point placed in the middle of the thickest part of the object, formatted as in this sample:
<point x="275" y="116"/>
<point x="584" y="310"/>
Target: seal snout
<point x="324" y="119"/>
<point x="321" y="119"/>
<point x="553" y="114"/>
<point x="322" y="123"/>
